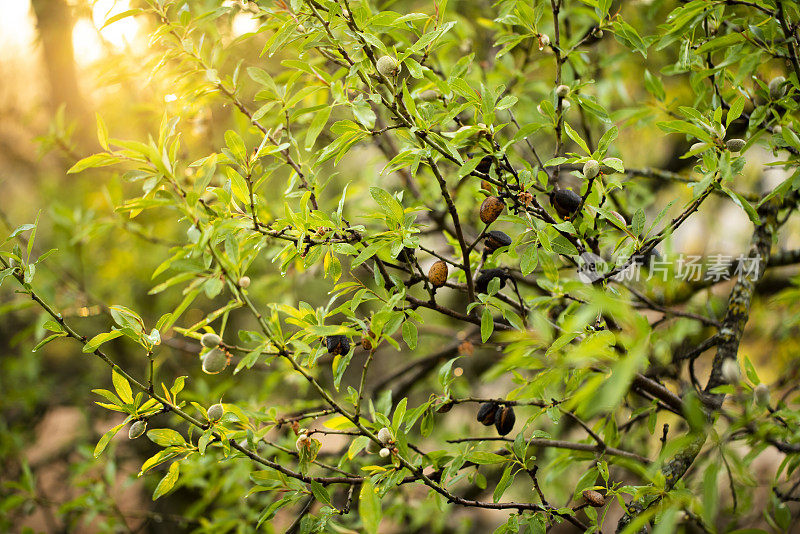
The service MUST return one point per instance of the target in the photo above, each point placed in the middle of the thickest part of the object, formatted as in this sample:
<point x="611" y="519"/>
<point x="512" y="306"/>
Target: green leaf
<point x="95" y="160"/>
<point x="504" y="483"/>
<point x="99" y="339"/>
<point x="410" y="334"/>
<point x="654" y="86"/>
<point x="369" y="507"/>
<point x="102" y="132"/>
<point x="320" y="493"/>
<point x="575" y="136"/>
<point x="487" y="324"/>
<point x="317" y="124"/>
<point x="101" y="445"/>
<point x="122" y="386"/>
<point x="740" y="201"/>
<point x="483" y="458"/>
<point x="165" y="437"/>
<point x="390" y="206"/>
<point x="236" y="145"/>
<point x="47" y="340"/>
<point x="168" y="482"/>
<point x="120" y="16"/>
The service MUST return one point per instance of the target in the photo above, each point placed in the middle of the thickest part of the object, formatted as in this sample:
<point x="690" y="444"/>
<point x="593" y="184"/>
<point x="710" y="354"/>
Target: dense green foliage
<point x="289" y="196"/>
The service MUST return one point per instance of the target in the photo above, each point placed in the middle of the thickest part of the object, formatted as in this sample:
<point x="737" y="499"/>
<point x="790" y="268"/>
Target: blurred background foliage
<point x="59" y="69"/>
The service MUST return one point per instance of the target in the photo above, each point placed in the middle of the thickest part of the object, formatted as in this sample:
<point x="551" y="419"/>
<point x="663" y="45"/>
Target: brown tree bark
<point x="54" y="23"/>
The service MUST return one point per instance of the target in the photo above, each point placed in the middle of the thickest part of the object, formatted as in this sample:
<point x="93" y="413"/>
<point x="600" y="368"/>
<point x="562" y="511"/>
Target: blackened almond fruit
<point x="486" y="276"/>
<point x="437" y="274"/>
<point x="491" y="208"/>
<point x="594" y="498"/>
<point x="496" y="239"/>
<point x="337" y="344"/>
<point x="486" y="413"/>
<point x="485" y="165"/>
<point x="446" y="407"/>
<point x="565" y="202"/>
<point x="407" y="255"/>
<point x="504" y="420"/>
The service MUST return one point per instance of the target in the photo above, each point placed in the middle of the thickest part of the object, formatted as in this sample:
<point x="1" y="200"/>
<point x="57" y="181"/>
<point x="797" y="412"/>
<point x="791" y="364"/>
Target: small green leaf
<point x="487" y="324"/>
<point x="122" y="386"/>
<point x="410" y="334"/>
<point x="369" y="507"/>
<point x="168" y="482"/>
<point x="99" y="339"/>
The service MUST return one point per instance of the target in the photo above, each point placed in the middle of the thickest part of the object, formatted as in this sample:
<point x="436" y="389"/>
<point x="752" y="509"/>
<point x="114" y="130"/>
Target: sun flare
<point x="90" y="41"/>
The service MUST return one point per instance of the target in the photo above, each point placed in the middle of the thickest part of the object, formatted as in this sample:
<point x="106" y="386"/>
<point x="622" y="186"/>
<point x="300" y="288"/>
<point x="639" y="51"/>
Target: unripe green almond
<point x="777" y="130"/>
<point x="776" y="87"/>
<point x="735" y="144"/>
<point x="562" y="91"/>
<point x="137" y="429"/>
<point x="699" y="146"/>
<point x="385" y="435"/>
<point x="591" y="168"/>
<point x="429" y="96"/>
<point x="215" y="361"/>
<point x="388" y="66"/>
<point x="730" y="371"/>
<point x="385" y="452"/>
<point x="193" y="234"/>
<point x="565" y="105"/>
<point x="215" y="412"/>
<point x="244" y="282"/>
<point x="210" y="340"/>
<point x="761" y="395"/>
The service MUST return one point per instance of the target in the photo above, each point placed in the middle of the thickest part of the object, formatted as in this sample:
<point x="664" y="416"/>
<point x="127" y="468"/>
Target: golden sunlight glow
<point x="90" y="41"/>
